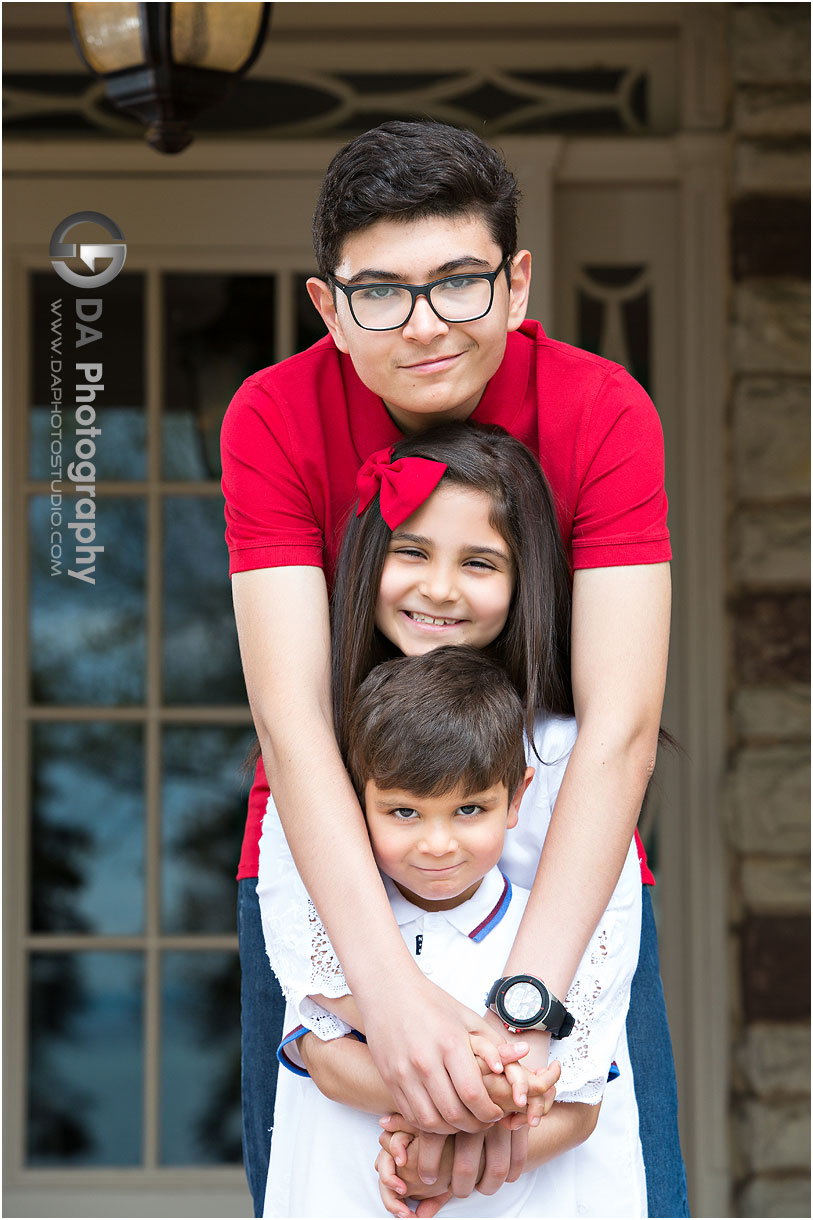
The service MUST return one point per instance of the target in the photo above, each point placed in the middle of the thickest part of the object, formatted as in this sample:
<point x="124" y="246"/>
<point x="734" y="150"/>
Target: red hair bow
<point x="404" y="484"/>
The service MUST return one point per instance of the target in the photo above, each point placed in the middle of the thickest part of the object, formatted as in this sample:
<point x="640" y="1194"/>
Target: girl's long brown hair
<point x="534" y="645"/>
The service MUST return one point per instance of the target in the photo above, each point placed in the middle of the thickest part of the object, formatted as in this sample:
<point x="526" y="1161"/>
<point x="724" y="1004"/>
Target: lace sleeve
<point x="599" y="995"/>
<point x="296" y="941"/>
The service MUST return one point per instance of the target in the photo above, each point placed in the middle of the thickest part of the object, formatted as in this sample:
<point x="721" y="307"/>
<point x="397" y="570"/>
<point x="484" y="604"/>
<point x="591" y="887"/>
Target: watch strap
<point x="559" y="1022"/>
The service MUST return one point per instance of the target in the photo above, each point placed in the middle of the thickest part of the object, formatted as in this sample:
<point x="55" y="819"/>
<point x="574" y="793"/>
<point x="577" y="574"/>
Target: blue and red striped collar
<point x="474" y="918"/>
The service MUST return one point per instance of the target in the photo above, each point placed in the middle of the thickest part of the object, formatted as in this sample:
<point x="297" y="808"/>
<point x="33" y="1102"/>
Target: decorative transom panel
<point x="612" y="98"/>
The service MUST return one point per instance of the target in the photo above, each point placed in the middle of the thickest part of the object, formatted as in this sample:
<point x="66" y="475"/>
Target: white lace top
<point x="305" y="963"/>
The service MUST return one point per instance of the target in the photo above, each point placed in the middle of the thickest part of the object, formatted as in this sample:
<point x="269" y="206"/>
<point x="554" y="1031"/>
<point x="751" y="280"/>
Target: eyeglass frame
<point x="423" y="290"/>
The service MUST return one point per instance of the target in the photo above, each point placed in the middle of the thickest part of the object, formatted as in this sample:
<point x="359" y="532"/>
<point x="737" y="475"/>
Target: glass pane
<point x="87" y="642"/>
<point x="204" y="799"/>
<point x="87" y="832"/>
<point x="200" y="1059"/>
<point x="85" y="1059"/>
<point x="219" y="330"/>
<point x="309" y="326"/>
<point x="614" y="309"/>
<point x="201" y="657"/>
<point x="121" y="445"/>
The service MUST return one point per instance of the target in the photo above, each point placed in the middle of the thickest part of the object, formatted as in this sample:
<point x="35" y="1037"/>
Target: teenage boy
<point x="437" y="806"/>
<point x="405" y="211"/>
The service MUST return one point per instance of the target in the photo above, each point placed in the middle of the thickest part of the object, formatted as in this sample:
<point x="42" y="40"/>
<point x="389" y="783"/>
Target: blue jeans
<point x="263" y="1009"/>
<point x="653" y="1067"/>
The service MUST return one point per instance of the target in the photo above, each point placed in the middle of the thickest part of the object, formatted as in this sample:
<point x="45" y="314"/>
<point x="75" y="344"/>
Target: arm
<point x="418" y="1035"/>
<point x="343" y="1070"/>
<point x="619" y="651"/>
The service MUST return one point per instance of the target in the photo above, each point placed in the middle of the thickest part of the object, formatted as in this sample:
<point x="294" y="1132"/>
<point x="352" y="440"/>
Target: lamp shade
<point x="165" y="63"/>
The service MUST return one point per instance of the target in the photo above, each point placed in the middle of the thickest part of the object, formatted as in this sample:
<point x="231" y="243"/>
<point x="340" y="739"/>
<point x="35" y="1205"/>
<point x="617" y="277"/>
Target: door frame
<point x="694" y="905"/>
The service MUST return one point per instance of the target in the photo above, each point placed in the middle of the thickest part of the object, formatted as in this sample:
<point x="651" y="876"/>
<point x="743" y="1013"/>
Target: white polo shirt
<point x="323" y="1153"/>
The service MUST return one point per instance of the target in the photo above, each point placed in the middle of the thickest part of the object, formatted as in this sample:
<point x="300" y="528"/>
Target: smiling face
<point x="448" y="575"/>
<point x="438" y="849"/>
<point x="428" y="371"/>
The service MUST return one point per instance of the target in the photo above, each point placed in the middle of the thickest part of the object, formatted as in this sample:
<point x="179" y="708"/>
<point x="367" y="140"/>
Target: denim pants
<point x="653" y="1068"/>
<point x="650" y="1048"/>
<point x="262" y="1009"/>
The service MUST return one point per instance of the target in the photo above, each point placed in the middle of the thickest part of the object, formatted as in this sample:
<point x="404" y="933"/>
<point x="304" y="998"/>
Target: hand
<point x="523" y="1094"/>
<point x="421" y="1046"/>
<point x="429" y="1148"/>
<point x="483" y="1160"/>
<point x="537" y="1087"/>
<point x="397" y="1166"/>
<point x="543" y="1094"/>
<point x="507" y="1088"/>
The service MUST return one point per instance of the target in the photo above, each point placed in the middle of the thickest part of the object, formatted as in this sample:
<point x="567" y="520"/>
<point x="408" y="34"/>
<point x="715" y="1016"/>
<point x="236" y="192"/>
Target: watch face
<point x="522" y="1003"/>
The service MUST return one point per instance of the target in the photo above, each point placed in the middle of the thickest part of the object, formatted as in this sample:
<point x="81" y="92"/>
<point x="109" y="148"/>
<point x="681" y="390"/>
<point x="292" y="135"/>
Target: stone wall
<point x="769" y="587"/>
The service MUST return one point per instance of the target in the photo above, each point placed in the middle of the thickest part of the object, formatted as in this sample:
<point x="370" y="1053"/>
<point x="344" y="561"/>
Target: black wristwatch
<point x="524" y="1002"/>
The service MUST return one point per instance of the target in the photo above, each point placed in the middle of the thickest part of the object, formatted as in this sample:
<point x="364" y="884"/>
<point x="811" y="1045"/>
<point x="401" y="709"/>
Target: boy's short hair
<point x="408" y="170"/>
<point x="428" y="724"/>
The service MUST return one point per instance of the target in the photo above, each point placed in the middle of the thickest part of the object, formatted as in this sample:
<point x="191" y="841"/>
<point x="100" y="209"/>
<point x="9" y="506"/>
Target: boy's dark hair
<point x="430" y="723"/>
<point x="534" y="644"/>
<point x="408" y="170"/>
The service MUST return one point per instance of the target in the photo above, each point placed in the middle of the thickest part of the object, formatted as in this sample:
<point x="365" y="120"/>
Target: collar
<point x="370" y="424"/>
<point x="504" y="395"/>
<point x="475" y="918"/>
<point x="503" y="398"/>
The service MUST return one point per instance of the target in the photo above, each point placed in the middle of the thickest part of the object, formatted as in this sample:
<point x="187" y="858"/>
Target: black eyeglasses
<point x="453" y="298"/>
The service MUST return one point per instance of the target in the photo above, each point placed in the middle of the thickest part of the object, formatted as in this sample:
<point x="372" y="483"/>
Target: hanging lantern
<point x="165" y="63"/>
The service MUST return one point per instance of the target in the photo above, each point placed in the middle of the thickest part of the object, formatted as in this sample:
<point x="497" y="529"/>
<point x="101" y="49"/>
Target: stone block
<point x="775" y="1059"/>
<point x="772" y="167"/>
<point x="769" y="1197"/>
<point x="771" y="547"/>
<point x="768" y="806"/>
<point x="774" y="1137"/>
<point x="771" y="327"/>
<point x="770" y="236"/>
<point x="771" y="634"/>
<point x="775" y="968"/>
<point x="771" y="438"/>
<point x="770" y="42"/>
<point x="775" y="713"/>
<point x="776" y="886"/>
<point x="772" y="110"/>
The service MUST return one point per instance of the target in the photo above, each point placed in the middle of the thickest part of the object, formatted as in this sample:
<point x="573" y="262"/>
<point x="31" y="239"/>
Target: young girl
<point x="485" y="465"/>
<point x="475" y="557"/>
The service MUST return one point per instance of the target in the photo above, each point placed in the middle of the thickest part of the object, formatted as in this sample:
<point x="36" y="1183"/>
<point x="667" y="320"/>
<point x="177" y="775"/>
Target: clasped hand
<point x="431" y="1168"/>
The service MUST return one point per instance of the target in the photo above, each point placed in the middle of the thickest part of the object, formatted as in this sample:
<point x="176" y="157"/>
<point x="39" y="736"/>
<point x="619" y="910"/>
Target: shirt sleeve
<point x="621" y="506"/>
<point x="600" y="993"/>
<point x="270" y="519"/>
<point x="296" y="941"/>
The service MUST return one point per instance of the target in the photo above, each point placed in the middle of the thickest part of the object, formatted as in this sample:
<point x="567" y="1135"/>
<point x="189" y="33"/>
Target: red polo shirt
<point x="295" y="435"/>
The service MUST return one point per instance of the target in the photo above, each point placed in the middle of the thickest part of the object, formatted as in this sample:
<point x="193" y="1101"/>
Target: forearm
<point x="343" y="1070"/>
<point x="289" y="691"/>
<point x="584" y="851"/>
<point x="566" y="1126"/>
<point x="620" y="641"/>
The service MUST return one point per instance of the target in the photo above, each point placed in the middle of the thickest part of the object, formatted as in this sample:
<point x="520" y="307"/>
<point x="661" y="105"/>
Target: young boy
<point x="437" y="756"/>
